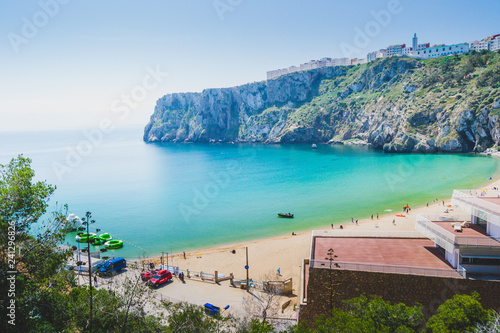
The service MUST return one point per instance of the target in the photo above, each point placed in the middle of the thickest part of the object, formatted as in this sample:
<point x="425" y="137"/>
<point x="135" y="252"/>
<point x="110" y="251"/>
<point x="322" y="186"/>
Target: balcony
<point x="443" y="234"/>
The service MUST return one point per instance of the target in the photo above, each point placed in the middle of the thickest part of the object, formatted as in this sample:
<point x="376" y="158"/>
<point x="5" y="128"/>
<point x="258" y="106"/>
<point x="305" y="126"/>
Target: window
<point x="480" y="260"/>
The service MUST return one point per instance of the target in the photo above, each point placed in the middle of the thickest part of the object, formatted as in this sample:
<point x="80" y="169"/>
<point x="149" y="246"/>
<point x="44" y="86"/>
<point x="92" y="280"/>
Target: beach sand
<point x="286" y="252"/>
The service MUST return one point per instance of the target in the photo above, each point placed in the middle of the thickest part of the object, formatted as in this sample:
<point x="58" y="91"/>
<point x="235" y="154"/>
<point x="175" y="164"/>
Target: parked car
<point x="145" y="276"/>
<point x="112" y="266"/>
<point x="160" y="278"/>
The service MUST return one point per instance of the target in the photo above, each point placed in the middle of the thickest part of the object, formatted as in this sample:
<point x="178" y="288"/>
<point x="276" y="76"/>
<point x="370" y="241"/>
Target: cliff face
<point x="447" y="104"/>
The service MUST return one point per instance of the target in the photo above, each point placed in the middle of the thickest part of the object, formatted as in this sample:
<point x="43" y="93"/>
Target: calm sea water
<point x="163" y="197"/>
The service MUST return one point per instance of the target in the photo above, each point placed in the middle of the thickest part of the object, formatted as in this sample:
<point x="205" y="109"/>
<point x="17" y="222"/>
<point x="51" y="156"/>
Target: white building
<point x="489" y="43"/>
<point x="468" y="233"/>
<point x="441" y="51"/>
<point x="357" y="61"/>
<point x="396" y="50"/>
<point x="407" y="51"/>
<point x="313" y="64"/>
<point x="495" y="44"/>
<point x="376" y="55"/>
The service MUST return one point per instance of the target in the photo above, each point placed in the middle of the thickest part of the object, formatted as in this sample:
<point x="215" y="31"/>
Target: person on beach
<point x="356" y="222"/>
<point x="427" y="204"/>
<point x="341" y="227"/>
<point x="394" y="221"/>
<point x="352" y="219"/>
<point x="332" y="225"/>
<point x="377" y="216"/>
<point x="184" y="253"/>
<point x="372" y="216"/>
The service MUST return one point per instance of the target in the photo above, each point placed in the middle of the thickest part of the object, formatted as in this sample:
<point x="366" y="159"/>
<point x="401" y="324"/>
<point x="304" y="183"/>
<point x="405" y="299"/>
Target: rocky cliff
<point x="449" y="104"/>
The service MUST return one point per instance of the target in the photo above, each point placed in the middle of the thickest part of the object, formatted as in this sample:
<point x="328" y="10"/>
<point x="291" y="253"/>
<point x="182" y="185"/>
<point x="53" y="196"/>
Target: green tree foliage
<point x="459" y="314"/>
<point x="256" y="326"/>
<point x="339" y="322"/>
<point x="28" y="245"/>
<point x="384" y="315"/>
<point x="362" y="314"/>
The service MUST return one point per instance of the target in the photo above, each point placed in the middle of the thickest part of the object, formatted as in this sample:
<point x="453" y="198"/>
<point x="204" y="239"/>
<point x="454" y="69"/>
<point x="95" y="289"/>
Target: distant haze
<point x="68" y="64"/>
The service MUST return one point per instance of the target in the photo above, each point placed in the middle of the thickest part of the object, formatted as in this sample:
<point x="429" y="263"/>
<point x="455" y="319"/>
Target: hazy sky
<point x="71" y="63"/>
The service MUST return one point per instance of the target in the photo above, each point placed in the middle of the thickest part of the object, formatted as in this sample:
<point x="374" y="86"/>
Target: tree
<point x="385" y="316"/>
<point x="266" y="306"/>
<point x="491" y="326"/>
<point x="189" y="318"/>
<point x="459" y="314"/>
<point x="23" y="248"/>
<point x="255" y="326"/>
<point x="339" y="322"/>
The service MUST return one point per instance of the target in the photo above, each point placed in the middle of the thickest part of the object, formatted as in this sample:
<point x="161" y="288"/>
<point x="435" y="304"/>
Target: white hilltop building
<point x="416" y="50"/>
<point x="441" y="51"/>
<point x="313" y="64"/>
<point x="491" y="43"/>
<point x="421" y="51"/>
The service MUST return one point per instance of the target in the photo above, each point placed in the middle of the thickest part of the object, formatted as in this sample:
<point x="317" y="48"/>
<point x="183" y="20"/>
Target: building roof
<point x="415" y="252"/>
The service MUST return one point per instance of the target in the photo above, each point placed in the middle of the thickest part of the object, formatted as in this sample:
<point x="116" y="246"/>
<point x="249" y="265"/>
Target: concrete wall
<point x="494" y="230"/>
<point x="396" y="288"/>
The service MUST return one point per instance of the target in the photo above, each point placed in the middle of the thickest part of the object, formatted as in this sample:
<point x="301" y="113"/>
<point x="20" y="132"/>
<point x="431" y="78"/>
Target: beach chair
<point x="465" y="224"/>
<point x="457" y="227"/>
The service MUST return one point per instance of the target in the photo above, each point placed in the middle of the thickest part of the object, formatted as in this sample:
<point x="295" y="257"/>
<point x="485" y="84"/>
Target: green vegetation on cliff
<point x="396" y="104"/>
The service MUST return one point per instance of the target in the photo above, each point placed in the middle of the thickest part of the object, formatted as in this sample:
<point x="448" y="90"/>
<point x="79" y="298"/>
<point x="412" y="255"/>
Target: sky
<point x="72" y="63"/>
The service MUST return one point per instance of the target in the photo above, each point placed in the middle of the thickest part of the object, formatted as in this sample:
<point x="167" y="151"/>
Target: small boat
<point x="114" y="244"/>
<point x="314" y="146"/>
<point x="83" y="237"/>
<point x="105" y="237"/>
<point x="97" y="241"/>
<point x="286" y="215"/>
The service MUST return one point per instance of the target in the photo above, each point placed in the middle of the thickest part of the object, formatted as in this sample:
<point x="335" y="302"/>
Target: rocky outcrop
<point x="396" y="104"/>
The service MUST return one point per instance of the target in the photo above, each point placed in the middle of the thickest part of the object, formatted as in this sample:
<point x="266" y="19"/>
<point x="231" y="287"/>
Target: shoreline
<point x="286" y="251"/>
<point x="487" y="183"/>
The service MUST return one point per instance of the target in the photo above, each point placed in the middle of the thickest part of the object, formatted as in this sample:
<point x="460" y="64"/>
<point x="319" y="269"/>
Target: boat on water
<point x="83" y="237"/>
<point x="314" y="146"/>
<point x="286" y="215"/>
<point x="114" y="244"/>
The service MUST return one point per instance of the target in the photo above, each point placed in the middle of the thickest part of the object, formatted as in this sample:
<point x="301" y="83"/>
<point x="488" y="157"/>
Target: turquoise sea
<point x="175" y="197"/>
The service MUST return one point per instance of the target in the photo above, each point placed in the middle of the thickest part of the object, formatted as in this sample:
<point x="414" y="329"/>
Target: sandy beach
<point x="287" y="251"/>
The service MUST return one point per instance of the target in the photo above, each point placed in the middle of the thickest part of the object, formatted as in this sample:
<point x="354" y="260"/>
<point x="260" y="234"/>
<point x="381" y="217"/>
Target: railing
<point x="462" y="271"/>
<point x="473" y="204"/>
<point x="366" y="233"/>
<point x="438" y="235"/>
<point x="395" y="269"/>
<point x="448" y="240"/>
<point x="207" y="277"/>
<point x="477" y="241"/>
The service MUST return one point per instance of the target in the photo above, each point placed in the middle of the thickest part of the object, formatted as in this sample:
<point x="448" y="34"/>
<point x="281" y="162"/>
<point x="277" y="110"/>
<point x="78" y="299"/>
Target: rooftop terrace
<point x="382" y="254"/>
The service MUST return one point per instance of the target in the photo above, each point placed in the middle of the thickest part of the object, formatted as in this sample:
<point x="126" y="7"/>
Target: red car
<point x="160" y="278"/>
<point x="145" y="276"/>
